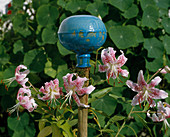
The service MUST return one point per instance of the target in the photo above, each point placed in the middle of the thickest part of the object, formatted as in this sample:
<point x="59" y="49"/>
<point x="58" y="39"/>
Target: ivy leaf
<point x="49" y="70"/>
<point x="47" y="15"/>
<point x="76" y="5"/>
<point x="37" y="3"/>
<point x="131" y="12"/>
<point x="49" y="35"/>
<point x="98" y="8"/>
<point x="4" y="57"/>
<point x="18" y="124"/>
<point x="35" y="60"/>
<point x="123" y="36"/>
<point x="154" y="47"/>
<point x="63" y="51"/>
<point x="155" y="64"/>
<point x="122" y="5"/>
<point x="150" y="17"/>
<point x="20" y="25"/>
<point x="166" y="24"/>
<point x="106" y="104"/>
<point x="146" y="3"/>
<point x="164" y="4"/>
<point x="138" y="33"/>
<point x="18" y="46"/>
<point x="166" y="42"/>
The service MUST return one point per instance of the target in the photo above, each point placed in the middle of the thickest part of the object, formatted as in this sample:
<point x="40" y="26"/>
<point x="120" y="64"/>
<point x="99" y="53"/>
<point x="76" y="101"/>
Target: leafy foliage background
<point x="141" y="28"/>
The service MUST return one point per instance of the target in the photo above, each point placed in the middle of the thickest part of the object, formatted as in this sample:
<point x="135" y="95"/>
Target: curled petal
<point x="124" y="72"/>
<point x="155" y="118"/>
<point x="86" y="90"/>
<point x="31" y="105"/>
<point x="135" y="87"/>
<point x="79" y="82"/>
<point x="23" y="92"/>
<point x="155" y="81"/>
<point x="112" y="53"/>
<point x="121" y="59"/>
<point x="157" y="94"/>
<point x="76" y="98"/>
<point x="138" y="99"/>
<point x="141" y="82"/>
<point x="19" y="68"/>
<point x="106" y="57"/>
<point x="167" y="110"/>
<point x="23" y="83"/>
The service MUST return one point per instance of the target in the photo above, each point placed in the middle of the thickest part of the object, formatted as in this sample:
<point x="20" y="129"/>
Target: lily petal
<point x="138" y="99"/>
<point x="121" y="59"/>
<point x="155" y="81"/>
<point x="135" y="87"/>
<point x="141" y="81"/>
<point x="157" y="94"/>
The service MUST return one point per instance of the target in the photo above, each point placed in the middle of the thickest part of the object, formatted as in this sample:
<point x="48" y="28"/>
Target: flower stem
<point x="154" y="75"/>
<point x="124" y="122"/>
<point x="32" y="86"/>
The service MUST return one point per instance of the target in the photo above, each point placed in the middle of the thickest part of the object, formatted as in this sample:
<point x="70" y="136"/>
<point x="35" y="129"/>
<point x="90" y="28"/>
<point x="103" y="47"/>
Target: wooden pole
<point x="83" y="112"/>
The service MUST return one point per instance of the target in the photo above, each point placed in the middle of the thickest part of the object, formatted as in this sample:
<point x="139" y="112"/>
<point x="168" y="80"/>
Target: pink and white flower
<point x="163" y="113"/>
<point x="165" y="70"/>
<point x="20" y="77"/>
<point x="74" y="87"/>
<point x="25" y="100"/>
<point x="51" y="90"/>
<point x="112" y="66"/>
<point x="146" y="91"/>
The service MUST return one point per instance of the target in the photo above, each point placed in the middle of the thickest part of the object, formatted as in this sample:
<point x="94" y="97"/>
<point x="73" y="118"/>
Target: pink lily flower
<point x="112" y="66"/>
<point x="165" y="70"/>
<point x="146" y="91"/>
<point x="25" y="100"/>
<point x="74" y="87"/>
<point x="163" y="113"/>
<point x="20" y="77"/>
<point x="51" y="90"/>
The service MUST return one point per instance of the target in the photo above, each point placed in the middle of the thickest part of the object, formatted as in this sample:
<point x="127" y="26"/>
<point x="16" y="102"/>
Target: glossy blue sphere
<point x="82" y="33"/>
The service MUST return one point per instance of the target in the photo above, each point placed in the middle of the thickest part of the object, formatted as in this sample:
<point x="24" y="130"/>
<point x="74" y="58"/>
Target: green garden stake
<point x="82" y="34"/>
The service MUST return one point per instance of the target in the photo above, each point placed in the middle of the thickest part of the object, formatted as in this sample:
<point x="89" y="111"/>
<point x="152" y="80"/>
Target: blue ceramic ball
<point x="82" y="33"/>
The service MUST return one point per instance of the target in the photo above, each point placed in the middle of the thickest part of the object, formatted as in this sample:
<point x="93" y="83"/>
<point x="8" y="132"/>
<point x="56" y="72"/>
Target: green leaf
<point x="49" y="35"/>
<point x="76" y="5"/>
<point x="99" y="94"/>
<point x="123" y="36"/>
<point x="167" y="76"/>
<point x="45" y="131"/>
<point x="98" y="8"/>
<point x="18" y="124"/>
<point x="47" y="15"/>
<point x="155" y="64"/>
<point x="105" y="104"/>
<point x="35" y="60"/>
<point x="18" y="47"/>
<point x="154" y="47"/>
<point x="56" y="131"/>
<point x="66" y="129"/>
<point x="110" y="23"/>
<point x="138" y="33"/>
<point x="146" y="3"/>
<point x="131" y="12"/>
<point x="166" y="42"/>
<point x="113" y="119"/>
<point x="49" y="70"/>
<point x="62" y="3"/>
<point x="9" y="73"/>
<point x="121" y="4"/>
<point x="162" y="3"/>
<point x="4" y="57"/>
<point x="37" y="3"/>
<point x="150" y="17"/>
<point x="165" y="23"/>
<point x="63" y="51"/>
<point x="18" y="3"/>
<point x="29" y="131"/>
<point x="20" y="25"/>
